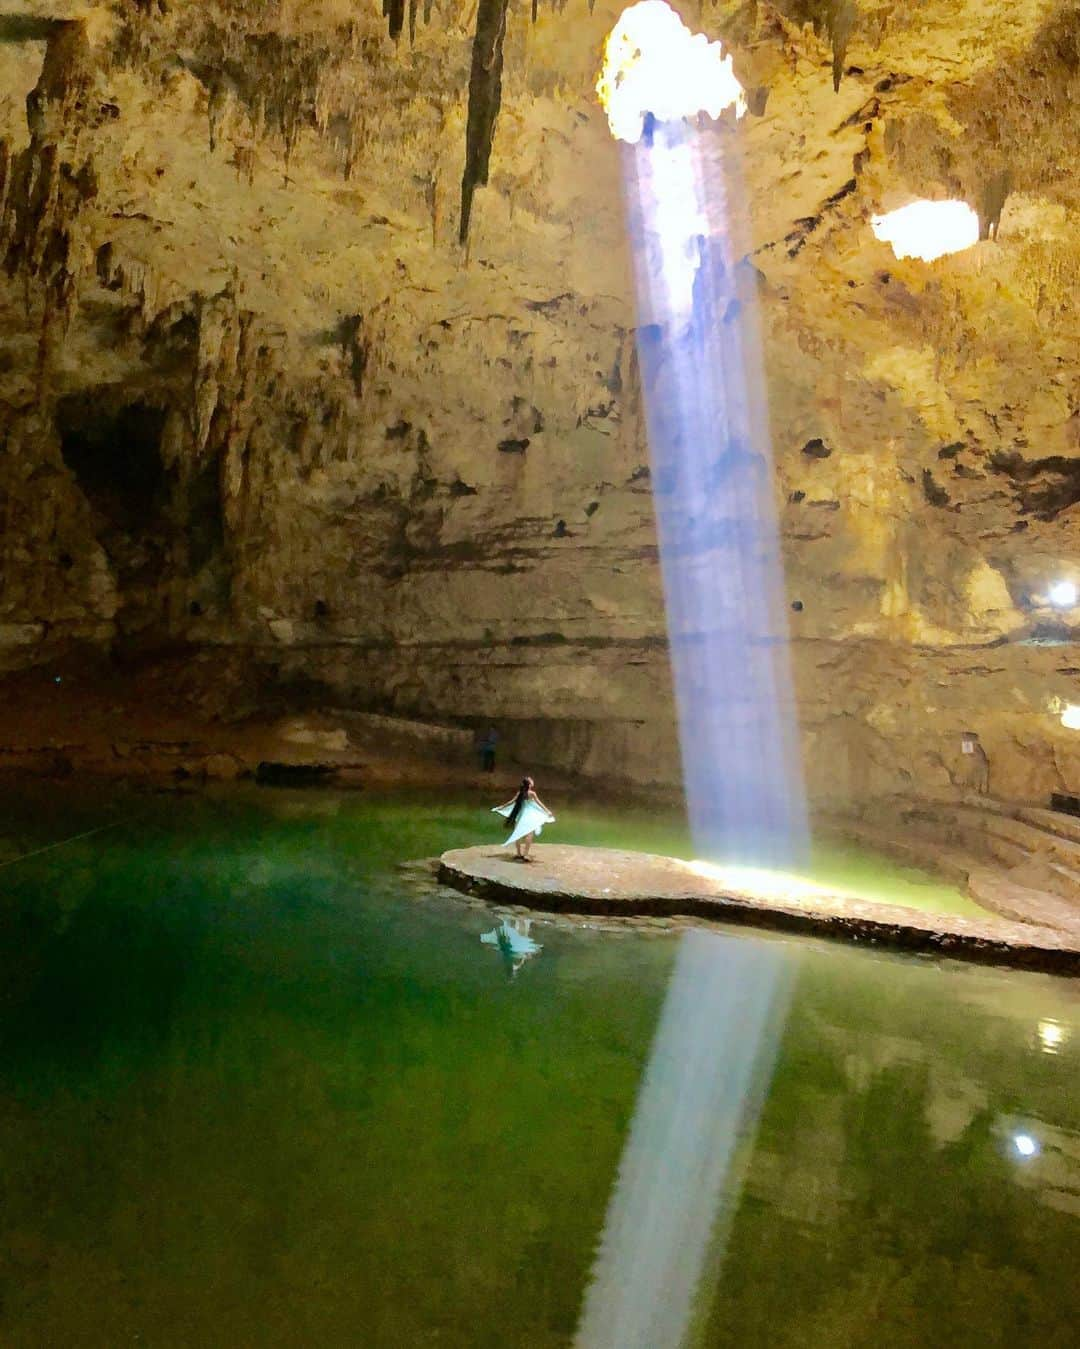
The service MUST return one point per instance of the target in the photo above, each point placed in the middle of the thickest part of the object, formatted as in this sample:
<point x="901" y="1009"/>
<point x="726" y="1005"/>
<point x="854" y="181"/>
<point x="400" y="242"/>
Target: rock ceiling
<point x="260" y="386"/>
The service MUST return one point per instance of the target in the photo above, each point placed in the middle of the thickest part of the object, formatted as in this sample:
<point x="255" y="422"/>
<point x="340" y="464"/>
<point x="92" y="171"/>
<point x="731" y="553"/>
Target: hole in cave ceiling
<point x="655" y="67"/>
<point x="928" y="230"/>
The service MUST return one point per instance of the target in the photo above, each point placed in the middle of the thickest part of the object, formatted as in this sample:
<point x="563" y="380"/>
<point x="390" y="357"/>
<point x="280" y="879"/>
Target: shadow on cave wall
<point x="159" y="530"/>
<point x="23" y="28"/>
<point x="1046" y="487"/>
<point x="115" y="456"/>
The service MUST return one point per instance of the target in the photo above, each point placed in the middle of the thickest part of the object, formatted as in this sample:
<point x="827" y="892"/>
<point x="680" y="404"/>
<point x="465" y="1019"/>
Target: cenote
<point x="672" y="401"/>
<point x="261" y="1086"/>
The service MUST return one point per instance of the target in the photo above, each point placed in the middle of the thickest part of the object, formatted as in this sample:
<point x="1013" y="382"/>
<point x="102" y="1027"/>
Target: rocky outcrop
<point x="317" y="344"/>
<point x="629" y="885"/>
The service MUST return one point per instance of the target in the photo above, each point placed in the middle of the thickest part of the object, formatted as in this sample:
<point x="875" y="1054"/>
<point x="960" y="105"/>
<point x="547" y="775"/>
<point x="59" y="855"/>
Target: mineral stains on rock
<point x="345" y="406"/>
<point x="485" y="98"/>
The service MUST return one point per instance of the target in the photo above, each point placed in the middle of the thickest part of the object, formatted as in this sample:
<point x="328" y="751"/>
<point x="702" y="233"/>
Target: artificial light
<point x="1052" y="1035"/>
<point x="1063" y="594"/>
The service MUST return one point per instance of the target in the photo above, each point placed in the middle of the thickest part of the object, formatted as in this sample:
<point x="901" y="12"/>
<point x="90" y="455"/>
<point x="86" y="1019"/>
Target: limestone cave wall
<point x="317" y="348"/>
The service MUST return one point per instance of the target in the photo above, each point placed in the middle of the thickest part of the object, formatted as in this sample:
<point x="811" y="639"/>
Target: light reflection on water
<point x="257" y="1087"/>
<point x="678" y="1182"/>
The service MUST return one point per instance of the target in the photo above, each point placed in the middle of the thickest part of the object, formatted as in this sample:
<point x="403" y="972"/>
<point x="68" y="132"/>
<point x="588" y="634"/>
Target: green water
<point x="258" y="1087"/>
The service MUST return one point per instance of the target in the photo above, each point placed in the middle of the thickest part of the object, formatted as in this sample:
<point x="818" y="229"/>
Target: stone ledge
<point x="609" y="882"/>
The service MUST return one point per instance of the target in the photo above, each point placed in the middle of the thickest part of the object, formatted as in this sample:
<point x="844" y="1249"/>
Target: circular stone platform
<point x="613" y="883"/>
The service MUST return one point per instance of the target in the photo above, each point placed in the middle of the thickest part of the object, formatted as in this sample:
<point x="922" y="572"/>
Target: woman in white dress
<point x="526" y="815"/>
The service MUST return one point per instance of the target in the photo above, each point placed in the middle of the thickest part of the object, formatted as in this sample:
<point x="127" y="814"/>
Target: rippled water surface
<point x="259" y="1087"/>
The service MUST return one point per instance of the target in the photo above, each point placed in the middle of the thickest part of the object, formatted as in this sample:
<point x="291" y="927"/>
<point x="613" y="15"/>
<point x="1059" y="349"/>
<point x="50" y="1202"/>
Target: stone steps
<point x="1052" y="821"/>
<point x="1023" y="903"/>
<point x="1038" y="852"/>
<point x="1047" y="874"/>
<point x="1006" y="837"/>
<point x="1015" y="841"/>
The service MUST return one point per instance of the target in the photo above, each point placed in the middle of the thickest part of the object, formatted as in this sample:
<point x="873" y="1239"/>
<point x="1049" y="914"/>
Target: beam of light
<point x="1063" y="594"/>
<point x="1025" y="1145"/>
<point x="928" y="229"/>
<point x="713" y="494"/>
<point x="780" y="885"/>
<point x="653" y="65"/>
<point x="694" y="1121"/>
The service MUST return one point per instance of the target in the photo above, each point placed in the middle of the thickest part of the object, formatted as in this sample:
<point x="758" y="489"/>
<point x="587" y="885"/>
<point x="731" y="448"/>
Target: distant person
<point x="526" y="815"/>
<point x="487" y="750"/>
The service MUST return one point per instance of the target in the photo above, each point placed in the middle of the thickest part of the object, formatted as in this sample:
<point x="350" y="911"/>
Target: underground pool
<point x="259" y="1085"/>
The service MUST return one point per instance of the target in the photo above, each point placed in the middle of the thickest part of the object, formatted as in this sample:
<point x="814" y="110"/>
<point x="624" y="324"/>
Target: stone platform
<point x="614" y="883"/>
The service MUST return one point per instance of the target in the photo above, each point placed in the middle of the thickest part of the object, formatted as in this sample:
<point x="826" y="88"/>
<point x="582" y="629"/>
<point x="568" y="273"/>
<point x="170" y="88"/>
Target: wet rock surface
<point x="612" y="882"/>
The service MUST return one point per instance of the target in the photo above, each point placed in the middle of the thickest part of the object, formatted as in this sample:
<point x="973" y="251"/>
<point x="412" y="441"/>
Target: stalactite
<point x="431" y="198"/>
<point x="217" y="107"/>
<point x="485" y="97"/>
<point x="5" y="181"/>
<point x="841" y="25"/>
<point x="835" y="18"/>
<point x="394" y="13"/>
<point x="41" y="212"/>
<point x="65" y="79"/>
<point x="992" y="202"/>
<point x="43" y="195"/>
<point x="240" y="418"/>
<point x="356" y="349"/>
<point x="244" y="163"/>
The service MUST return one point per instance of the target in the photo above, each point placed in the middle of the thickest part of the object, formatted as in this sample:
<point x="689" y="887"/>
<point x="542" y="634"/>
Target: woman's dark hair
<point x="523" y="791"/>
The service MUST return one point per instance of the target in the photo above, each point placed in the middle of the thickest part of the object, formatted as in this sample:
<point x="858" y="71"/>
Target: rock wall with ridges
<point x="255" y="392"/>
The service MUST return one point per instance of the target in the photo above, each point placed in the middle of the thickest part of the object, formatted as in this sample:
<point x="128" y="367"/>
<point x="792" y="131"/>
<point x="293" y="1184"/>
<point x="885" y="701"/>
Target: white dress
<point x="513" y="939"/>
<point x="531" y="820"/>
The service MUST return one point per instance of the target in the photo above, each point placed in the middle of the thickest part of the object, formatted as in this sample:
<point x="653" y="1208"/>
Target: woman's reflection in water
<point x="511" y="939"/>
